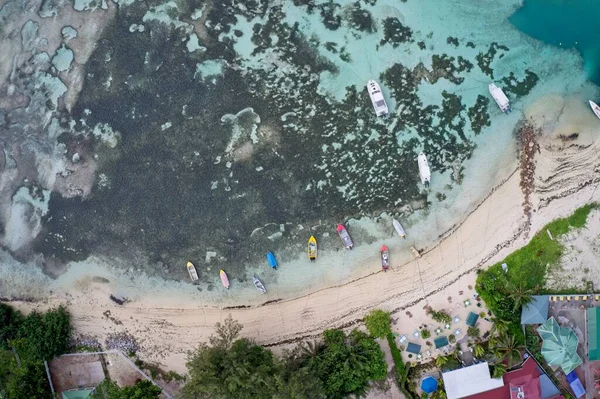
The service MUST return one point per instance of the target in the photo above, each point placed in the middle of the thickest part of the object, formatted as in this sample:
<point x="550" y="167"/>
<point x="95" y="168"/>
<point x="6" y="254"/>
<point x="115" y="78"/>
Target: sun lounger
<point x="576" y="298"/>
<point x="585" y="298"/>
<point x="561" y="297"/>
<point x="568" y="297"/>
<point x="596" y="297"/>
<point x="552" y="299"/>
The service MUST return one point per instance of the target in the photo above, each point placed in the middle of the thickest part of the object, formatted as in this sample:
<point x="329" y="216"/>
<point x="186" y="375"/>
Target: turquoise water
<point x="564" y="23"/>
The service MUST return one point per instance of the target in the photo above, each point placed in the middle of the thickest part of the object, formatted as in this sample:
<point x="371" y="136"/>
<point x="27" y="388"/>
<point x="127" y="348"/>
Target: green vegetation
<point x="142" y="389"/>
<point x="229" y="367"/>
<point x="473" y="332"/>
<point x="25" y="342"/>
<point x="425" y="333"/>
<point x="378" y="323"/>
<point x="400" y="369"/>
<point x="440" y="316"/>
<point x="504" y="293"/>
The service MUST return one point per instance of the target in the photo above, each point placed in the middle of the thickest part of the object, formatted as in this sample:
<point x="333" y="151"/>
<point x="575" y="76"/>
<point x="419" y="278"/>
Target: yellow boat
<point x="192" y="271"/>
<point x="312" y="248"/>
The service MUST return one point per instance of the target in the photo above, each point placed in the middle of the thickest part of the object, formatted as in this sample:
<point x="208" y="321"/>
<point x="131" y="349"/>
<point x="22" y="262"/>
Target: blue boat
<point x="271" y="259"/>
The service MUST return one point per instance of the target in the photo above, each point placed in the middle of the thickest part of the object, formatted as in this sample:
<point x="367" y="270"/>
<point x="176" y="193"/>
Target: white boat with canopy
<point x="379" y="104"/>
<point x="500" y="98"/>
<point x="424" y="171"/>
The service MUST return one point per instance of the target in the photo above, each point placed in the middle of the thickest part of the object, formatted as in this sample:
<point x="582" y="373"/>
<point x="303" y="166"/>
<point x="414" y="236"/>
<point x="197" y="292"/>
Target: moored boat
<point x="595" y="108"/>
<point x="272" y="260"/>
<point x="312" y="248"/>
<point x="424" y="171"/>
<point x="385" y="258"/>
<point x="379" y="104"/>
<point x="224" y="278"/>
<point x="399" y="228"/>
<point x="500" y="98"/>
<point x="259" y="285"/>
<point x="343" y="233"/>
<point x="192" y="271"/>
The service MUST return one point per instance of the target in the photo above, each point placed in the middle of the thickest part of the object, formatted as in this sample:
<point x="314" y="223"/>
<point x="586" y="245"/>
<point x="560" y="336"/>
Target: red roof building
<point x="523" y="383"/>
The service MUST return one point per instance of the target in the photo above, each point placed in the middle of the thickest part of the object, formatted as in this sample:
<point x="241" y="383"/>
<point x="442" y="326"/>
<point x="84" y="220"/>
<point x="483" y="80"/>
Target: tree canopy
<point x="378" y="323"/>
<point x="142" y="389"/>
<point x="238" y="368"/>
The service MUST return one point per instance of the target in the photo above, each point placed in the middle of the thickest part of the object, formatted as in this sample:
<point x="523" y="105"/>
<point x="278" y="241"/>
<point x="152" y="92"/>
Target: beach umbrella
<point x="429" y="384"/>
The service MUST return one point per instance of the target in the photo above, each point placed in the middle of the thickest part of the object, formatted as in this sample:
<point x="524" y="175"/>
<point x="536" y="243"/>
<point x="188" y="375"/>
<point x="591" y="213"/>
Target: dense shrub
<point x="378" y="323"/>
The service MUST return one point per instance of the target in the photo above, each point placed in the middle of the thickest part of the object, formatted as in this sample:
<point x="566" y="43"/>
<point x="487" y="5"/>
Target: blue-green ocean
<point x="567" y="24"/>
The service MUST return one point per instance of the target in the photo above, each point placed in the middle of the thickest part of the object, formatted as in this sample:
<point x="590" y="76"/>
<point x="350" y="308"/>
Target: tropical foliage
<point x="142" y="389"/>
<point x="425" y="333"/>
<point x="506" y="347"/>
<point x="378" y="323"/>
<point x="25" y="342"/>
<point x="232" y="367"/>
<point x="440" y="316"/>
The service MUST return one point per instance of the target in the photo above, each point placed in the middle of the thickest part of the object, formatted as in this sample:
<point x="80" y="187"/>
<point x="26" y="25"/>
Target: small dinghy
<point x="343" y="233"/>
<point x="272" y="260"/>
<point x="595" y="108"/>
<point x="424" y="171"/>
<point x="259" y="285"/>
<point x="312" y="248"/>
<point x="379" y="104"/>
<point x="192" y="271"/>
<point x="500" y="98"/>
<point x="224" y="278"/>
<point x="399" y="228"/>
<point x="385" y="258"/>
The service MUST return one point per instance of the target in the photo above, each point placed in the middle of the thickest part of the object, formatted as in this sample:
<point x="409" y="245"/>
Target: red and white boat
<point x="385" y="258"/>
<point x="343" y="233"/>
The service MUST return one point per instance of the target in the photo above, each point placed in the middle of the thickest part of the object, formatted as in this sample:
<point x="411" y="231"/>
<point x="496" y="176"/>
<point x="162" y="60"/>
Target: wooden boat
<point x="415" y="252"/>
<point x="343" y="233"/>
<point x="192" y="271"/>
<point x="595" y="108"/>
<point x="399" y="228"/>
<point x="224" y="278"/>
<point x="259" y="285"/>
<point x="385" y="258"/>
<point x="272" y="260"/>
<point x="312" y="248"/>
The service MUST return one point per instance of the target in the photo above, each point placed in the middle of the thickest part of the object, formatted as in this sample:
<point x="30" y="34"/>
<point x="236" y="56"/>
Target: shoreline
<point x="495" y="228"/>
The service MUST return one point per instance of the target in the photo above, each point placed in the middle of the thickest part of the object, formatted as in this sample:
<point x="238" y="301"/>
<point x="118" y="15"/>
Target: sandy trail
<point x="168" y="327"/>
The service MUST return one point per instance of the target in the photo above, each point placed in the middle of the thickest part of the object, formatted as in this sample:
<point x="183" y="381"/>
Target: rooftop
<point x="469" y="381"/>
<point x="536" y="312"/>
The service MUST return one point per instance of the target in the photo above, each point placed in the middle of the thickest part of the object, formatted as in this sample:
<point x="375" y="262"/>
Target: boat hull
<point x="399" y="229"/>
<point x="500" y="98"/>
<point x="424" y="171"/>
<point x="259" y="285"/>
<point x="271" y="259"/>
<point x="345" y="237"/>
<point x="192" y="271"/>
<point x="312" y="248"/>
<point x="224" y="278"/>
<point x="377" y="99"/>
<point x="595" y="108"/>
<point x="385" y="258"/>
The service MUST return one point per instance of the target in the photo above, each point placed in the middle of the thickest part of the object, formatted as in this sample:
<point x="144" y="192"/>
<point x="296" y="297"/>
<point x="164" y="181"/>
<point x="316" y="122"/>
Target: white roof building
<point x="470" y="381"/>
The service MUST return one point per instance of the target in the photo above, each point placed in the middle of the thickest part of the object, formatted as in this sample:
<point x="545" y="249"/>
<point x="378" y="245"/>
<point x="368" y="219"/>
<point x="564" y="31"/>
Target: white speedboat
<point x="500" y="98"/>
<point x="424" y="171"/>
<point x="379" y="104"/>
<point x="399" y="228"/>
<point x="595" y="108"/>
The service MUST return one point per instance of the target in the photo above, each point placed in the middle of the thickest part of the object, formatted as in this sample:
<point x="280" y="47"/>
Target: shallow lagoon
<point x="268" y="136"/>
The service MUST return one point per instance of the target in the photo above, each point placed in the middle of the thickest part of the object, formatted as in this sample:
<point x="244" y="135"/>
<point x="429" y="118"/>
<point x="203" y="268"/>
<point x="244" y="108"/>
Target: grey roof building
<point x="535" y="312"/>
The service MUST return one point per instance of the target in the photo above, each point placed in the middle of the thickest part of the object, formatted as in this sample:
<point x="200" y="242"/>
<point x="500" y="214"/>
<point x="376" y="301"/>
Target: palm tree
<point x="498" y="370"/>
<point x="499" y="326"/>
<point x="440" y="393"/>
<point x="441" y="361"/>
<point x="478" y="350"/>
<point x="520" y="296"/>
<point x="507" y="347"/>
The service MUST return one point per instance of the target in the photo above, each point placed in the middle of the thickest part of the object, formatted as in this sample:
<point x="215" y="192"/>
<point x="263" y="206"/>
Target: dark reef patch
<point x="520" y="87"/>
<point x="395" y="33"/>
<point x="478" y="115"/>
<point x="484" y="60"/>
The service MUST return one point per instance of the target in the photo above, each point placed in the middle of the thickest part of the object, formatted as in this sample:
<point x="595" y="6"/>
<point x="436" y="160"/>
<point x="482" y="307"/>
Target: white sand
<point x="167" y="328"/>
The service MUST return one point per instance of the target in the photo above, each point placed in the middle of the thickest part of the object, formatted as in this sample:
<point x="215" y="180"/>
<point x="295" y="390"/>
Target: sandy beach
<point x="566" y="177"/>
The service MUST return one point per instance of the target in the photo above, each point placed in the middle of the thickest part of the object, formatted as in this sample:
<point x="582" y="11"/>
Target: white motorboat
<point x="500" y="98"/>
<point x="379" y="104"/>
<point x="399" y="228"/>
<point x="424" y="171"/>
<point x="595" y="108"/>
